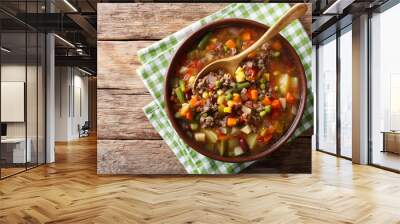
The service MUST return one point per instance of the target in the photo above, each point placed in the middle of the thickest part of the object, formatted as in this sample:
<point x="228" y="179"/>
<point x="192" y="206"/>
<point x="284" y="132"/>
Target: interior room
<point x="75" y="122"/>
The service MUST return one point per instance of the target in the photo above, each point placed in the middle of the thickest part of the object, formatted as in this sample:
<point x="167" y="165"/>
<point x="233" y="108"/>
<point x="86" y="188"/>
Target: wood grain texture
<point x="70" y="191"/>
<point x="118" y="62"/>
<point x="124" y="29"/>
<point x="136" y="157"/>
<point x="140" y="21"/>
<point x="120" y="116"/>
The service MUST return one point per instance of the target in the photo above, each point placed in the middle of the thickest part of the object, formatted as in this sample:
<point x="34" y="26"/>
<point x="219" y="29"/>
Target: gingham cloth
<point x="156" y="58"/>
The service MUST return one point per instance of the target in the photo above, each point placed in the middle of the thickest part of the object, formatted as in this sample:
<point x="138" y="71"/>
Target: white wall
<point x="70" y="109"/>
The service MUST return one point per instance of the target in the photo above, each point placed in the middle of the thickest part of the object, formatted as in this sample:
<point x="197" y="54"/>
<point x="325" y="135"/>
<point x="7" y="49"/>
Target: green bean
<point x="180" y="95"/>
<point x="242" y="85"/>
<point x="228" y="96"/>
<point x="218" y="84"/>
<point x="203" y="43"/>
<point x="182" y="85"/>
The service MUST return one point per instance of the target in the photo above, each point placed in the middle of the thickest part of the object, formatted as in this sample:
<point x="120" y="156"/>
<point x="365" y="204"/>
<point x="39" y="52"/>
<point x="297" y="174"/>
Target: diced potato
<point x="283" y="102"/>
<point x="183" y="70"/>
<point x="246" y="129"/>
<point x="239" y="75"/>
<point x="251" y="140"/>
<point x="231" y="103"/>
<point x="246" y="110"/>
<point x="284" y="84"/>
<point x="200" y="137"/>
<point x="211" y="135"/>
<point x="237" y="151"/>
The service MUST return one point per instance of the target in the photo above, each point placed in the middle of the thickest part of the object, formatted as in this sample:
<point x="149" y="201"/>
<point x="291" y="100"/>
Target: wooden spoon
<point x="230" y="64"/>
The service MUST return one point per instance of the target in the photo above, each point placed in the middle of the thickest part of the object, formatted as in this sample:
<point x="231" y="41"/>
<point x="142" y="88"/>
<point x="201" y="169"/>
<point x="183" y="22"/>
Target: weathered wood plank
<point x="148" y="20"/>
<point x="121" y="94"/>
<point x="117" y="64"/>
<point x="120" y="116"/>
<point x="136" y="157"/>
<point x="129" y="157"/>
<point x="139" y="21"/>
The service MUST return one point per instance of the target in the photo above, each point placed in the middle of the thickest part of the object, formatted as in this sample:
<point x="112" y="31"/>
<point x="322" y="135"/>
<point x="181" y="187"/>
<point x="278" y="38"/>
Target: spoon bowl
<point x="230" y="64"/>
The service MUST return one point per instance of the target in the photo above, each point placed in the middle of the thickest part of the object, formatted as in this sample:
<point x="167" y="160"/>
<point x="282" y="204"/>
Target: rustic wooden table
<point x="127" y="143"/>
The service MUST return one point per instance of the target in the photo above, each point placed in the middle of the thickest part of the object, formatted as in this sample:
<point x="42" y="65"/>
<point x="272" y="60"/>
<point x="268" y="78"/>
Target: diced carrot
<point x="266" y="101"/>
<point x="189" y="115"/>
<point x="252" y="54"/>
<point x="211" y="47"/>
<point x="230" y="43"/>
<point x="276" y="45"/>
<point x="194" y="101"/>
<point x="246" y="36"/>
<point x="276" y="104"/>
<point x="267" y="138"/>
<point x="290" y="98"/>
<point x="253" y="94"/>
<point x="237" y="98"/>
<point x="231" y="122"/>
<point x="270" y="130"/>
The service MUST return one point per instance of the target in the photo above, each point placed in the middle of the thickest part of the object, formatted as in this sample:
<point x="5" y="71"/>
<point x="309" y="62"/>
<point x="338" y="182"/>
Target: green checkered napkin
<point x="156" y="58"/>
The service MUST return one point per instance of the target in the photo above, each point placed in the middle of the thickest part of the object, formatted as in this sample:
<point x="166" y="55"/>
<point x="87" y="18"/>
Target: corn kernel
<point x="205" y="95"/>
<point x="239" y="75"/>
<point x="191" y="81"/>
<point x="220" y="92"/>
<point x="227" y="110"/>
<point x="220" y="100"/>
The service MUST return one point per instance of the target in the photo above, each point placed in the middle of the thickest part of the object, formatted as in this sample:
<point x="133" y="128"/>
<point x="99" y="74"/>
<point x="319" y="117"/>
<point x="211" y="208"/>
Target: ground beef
<point x="206" y="121"/>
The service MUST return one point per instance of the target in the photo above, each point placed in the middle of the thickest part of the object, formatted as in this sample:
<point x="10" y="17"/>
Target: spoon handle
<point x="297" y="11"/>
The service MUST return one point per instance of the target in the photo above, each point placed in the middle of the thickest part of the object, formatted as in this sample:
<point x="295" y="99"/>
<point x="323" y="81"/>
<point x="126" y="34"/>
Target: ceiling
<point x="76" y="20"/>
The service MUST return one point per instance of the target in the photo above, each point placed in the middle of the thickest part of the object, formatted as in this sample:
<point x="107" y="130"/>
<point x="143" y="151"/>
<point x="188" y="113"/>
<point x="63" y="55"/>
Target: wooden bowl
<point x="194" y="39"/>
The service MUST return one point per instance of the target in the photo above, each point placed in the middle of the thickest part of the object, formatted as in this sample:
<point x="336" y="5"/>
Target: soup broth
<point x="240" y="113"/>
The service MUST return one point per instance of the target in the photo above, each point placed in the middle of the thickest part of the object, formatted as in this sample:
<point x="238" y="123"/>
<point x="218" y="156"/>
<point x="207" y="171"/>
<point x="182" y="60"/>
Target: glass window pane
<point x="13" y="87"/>
<point x="327" y="96"/>
<point x="346" y="94"/>
<point x="385" y="114"/>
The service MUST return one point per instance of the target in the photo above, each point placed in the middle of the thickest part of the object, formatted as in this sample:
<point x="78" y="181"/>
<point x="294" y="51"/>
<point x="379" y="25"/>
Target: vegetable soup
<point x="240" y="113"/>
